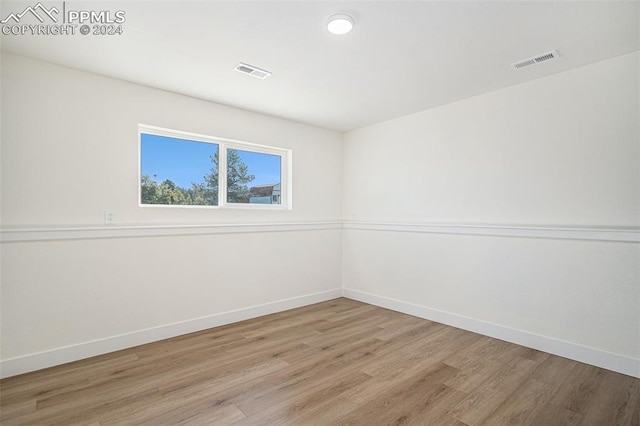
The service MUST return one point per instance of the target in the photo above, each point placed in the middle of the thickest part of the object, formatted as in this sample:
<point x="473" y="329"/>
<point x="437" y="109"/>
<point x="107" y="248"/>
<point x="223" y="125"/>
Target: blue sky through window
<point x="265" y="167"/>
<point x="184" y="161"/>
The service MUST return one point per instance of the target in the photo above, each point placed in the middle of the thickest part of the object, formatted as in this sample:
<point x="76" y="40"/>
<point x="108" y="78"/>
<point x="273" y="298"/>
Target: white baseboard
<point x="588" y="355"/>
<point x="63" y="355"/>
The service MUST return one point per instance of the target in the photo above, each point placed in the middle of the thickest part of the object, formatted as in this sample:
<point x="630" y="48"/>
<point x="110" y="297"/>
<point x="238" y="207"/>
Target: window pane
<point x="178" y="171"/>
<point x="253" y="177"/>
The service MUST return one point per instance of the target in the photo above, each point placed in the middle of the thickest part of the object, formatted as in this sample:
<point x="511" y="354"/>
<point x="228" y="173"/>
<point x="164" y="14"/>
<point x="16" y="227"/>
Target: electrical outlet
<point x="109" y="217"/>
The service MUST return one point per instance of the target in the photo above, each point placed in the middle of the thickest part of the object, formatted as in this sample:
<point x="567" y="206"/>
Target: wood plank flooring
<point x="339" y="362"/>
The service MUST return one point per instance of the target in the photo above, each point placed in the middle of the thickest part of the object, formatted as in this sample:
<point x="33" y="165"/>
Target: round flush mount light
<point x="339" y="24"/>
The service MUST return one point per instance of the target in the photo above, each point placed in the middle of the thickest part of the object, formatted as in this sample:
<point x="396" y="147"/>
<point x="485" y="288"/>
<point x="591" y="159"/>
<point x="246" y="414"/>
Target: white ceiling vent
<point x="252" y="71"/>
<point x="536" y="59"/>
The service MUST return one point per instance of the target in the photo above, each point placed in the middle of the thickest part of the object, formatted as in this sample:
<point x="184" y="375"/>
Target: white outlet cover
<point x="109" y="217"/>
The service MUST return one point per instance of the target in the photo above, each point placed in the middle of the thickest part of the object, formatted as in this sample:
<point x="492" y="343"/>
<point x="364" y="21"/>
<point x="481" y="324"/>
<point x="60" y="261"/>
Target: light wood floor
<point x="338" y="362"/>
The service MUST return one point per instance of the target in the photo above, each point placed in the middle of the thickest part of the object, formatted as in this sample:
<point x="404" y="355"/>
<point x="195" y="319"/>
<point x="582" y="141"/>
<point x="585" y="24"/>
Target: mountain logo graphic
<point x="33" y="10"/>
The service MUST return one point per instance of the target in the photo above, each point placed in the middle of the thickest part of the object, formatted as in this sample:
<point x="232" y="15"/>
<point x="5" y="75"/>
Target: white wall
<point x="559" y="152"/>
<point x="73" y="287"/>
<point x="70" y="142"/>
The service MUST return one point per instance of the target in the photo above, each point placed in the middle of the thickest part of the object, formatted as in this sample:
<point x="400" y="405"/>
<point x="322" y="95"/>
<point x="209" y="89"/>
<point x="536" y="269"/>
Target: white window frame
<point x="286" y="161"/>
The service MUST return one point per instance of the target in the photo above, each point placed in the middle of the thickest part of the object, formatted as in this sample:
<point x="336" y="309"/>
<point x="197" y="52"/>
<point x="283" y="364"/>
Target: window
<point x="184" y="169"/>
<point x="177" y="171"/>
<point x="262" y="170"/>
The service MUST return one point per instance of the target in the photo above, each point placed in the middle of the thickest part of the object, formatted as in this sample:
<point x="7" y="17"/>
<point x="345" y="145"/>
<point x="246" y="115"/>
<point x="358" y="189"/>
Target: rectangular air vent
<point x="536" y="59"/>
<point x="252" y="71"/>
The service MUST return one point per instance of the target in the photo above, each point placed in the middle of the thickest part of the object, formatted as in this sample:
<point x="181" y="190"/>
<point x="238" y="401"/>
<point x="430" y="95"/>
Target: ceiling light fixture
<point x="339" y="24"/>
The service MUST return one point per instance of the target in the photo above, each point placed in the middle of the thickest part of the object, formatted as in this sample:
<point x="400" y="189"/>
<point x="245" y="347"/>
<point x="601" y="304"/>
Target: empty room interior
<point x="318" y="213"/>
